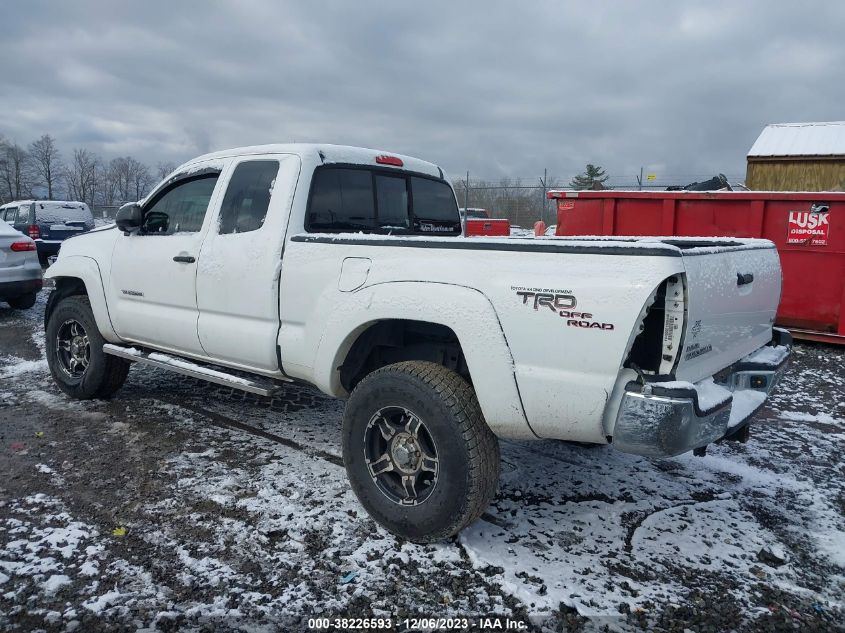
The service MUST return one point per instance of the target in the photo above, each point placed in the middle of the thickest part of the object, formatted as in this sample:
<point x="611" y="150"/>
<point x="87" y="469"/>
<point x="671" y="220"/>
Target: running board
<point x="194" y="370"/>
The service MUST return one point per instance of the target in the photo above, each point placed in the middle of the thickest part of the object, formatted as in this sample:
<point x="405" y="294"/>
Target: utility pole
<point x="543" y="183"/>
<point x="640" y="179"/>
<point x="466" y="194"/>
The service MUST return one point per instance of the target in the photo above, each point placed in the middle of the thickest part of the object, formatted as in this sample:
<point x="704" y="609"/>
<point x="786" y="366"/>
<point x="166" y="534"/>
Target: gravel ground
<point x="179" y="505"/>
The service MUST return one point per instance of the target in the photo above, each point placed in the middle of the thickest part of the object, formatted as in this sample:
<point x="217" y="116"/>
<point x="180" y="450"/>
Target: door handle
<point x="744" y="278"/>
<point x="184" y="259"/>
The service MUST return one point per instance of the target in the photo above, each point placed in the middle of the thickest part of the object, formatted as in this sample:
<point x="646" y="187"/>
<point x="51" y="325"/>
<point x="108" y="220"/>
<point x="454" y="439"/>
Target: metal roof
<point x="800" y="139"/>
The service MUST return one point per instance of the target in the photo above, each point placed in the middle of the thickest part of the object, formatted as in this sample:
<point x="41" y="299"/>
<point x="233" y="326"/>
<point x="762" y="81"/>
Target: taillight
<point x="23" y="246"/>
<point x="674" y="321"/>
<point x="389" y="160"/>
<point x="33" y="231"/>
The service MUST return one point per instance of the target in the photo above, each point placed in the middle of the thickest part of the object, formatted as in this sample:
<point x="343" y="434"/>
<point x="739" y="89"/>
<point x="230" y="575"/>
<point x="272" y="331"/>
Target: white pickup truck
<point x="345" y="268"/>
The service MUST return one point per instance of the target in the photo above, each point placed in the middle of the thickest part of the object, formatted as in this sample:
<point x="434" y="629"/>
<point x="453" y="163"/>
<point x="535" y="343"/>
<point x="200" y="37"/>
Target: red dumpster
<point x="807" y="228"/>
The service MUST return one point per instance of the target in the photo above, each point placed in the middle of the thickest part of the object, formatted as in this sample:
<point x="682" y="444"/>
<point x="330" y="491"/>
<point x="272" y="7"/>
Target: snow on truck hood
<point x="325" y="153"/>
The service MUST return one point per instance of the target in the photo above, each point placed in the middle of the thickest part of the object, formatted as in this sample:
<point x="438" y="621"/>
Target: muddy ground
<point x="178" y="505"/>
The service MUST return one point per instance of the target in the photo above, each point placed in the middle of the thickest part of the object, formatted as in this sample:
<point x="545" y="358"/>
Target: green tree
<point x="592" y="178"/>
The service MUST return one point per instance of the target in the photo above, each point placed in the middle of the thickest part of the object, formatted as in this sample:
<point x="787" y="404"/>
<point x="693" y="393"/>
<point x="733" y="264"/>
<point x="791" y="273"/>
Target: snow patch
<point x="18" y="366"/>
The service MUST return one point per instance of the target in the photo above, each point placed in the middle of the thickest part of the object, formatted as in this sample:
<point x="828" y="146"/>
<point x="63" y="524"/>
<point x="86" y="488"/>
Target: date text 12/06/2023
<point x="479" y="623"/>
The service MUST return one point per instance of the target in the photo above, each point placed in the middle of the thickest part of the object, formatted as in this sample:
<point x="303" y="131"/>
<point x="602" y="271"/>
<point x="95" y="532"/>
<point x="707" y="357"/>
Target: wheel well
<point x="64" y="287"/>
<point x="388" y="342"/>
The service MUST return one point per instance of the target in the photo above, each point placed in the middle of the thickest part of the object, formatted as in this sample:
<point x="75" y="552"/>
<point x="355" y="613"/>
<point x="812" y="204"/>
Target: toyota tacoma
<point x="345" y="268"/>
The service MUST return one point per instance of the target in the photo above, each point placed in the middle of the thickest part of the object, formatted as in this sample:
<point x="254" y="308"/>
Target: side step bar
<point x="192" y="369"/>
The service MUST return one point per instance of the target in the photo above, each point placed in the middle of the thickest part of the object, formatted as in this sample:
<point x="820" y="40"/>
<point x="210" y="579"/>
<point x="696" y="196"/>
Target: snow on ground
<point x="180" y="504"/>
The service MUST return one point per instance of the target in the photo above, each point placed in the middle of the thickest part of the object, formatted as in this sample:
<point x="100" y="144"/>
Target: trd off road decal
<point x="810" y="228"/>
<point x="562" y="303"/>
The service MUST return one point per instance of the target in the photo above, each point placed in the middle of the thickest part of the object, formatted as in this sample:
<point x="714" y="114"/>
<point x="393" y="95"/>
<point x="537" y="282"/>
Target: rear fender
<point x="466" y="311"/>
<point x="88" y="272"/>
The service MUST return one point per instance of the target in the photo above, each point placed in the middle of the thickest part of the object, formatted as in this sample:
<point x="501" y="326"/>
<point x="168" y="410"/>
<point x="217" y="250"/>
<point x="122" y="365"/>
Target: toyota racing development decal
<point x="562" y="303"/>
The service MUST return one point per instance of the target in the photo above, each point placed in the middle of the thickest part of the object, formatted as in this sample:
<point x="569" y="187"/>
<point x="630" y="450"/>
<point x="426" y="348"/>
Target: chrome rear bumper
<point x="665" y="419"/>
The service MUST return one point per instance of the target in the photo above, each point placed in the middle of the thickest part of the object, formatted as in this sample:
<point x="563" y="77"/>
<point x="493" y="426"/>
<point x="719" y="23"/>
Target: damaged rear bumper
<point x="662" y="419"/>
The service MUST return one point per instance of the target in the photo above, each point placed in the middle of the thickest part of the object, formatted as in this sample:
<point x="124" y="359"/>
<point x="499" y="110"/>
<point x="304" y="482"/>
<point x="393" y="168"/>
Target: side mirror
<point x="129" y="218"/>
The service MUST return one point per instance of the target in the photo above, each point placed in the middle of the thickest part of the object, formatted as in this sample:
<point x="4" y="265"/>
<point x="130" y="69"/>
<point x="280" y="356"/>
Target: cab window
<point x="247" y="196"/>
<point x="181" y="208"/>
<point x="380" y="201"/>
<point x="341" y="200"/>
<point x="392" y="198"/>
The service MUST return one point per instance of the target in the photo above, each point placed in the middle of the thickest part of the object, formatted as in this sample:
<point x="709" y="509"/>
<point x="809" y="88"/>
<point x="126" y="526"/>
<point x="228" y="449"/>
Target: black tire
<point x="467" y="453"/>
<point x="103" y="374"/>
<point x="23" y="302"/>
<point x="43" y="260"/>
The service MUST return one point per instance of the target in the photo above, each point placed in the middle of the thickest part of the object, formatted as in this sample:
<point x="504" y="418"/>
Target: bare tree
<point x="81" y="175"/>
<point x="13" y="176"/>
<point x="163" y="170"/>
<point x="142" y="179"/>
<point x="3" y="192"/>
<point x="108" y="185"/>
<point x="46" y="163"/>
<point x="119" y="175"/>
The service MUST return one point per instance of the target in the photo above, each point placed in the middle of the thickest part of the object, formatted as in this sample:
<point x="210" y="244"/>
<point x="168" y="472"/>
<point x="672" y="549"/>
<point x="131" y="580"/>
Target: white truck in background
<point x="345" y="268"/>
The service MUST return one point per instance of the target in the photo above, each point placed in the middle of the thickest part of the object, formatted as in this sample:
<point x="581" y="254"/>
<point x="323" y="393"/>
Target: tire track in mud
<point x="223" y="421"/>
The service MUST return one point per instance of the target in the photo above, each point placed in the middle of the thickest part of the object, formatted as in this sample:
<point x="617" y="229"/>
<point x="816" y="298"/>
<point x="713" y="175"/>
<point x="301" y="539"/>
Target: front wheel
<point x="75" y="352"/>
<point x="418" y="453"/>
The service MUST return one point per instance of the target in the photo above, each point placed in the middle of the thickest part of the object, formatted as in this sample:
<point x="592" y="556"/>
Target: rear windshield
<point x="380" y="201"/>
<point x="62" y="213"/>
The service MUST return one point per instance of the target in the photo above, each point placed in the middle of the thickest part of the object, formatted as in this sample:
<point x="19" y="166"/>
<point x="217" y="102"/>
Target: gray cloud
<point x="497" y="88"/>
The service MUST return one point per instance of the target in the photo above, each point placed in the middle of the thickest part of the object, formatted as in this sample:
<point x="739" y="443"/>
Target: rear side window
<point x="247" y="197"/>
<point x="378" y="201"/>
<point x="23" y="215"/>
<point x="341" y="200"/>
<point x="433" y="201"/>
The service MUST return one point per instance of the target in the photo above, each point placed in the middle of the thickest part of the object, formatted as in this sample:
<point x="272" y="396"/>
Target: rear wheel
<point x="75" y="352"/>
<point x="23" y="302"/>
<point x="418" y="453"/>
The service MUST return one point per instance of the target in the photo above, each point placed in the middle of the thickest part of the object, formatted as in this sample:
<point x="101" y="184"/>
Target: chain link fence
<point x="523" y="200"/>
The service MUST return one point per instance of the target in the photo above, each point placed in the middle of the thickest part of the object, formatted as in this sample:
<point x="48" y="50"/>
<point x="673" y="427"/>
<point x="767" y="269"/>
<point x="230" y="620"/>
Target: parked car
<point x="474" y="213"/>
<point x="345" y="268"/>
<point x="48" y="222"/>
<point x="20" y="272"/>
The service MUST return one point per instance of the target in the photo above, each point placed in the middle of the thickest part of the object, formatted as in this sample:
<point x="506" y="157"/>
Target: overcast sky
<point x="496" y="88"/>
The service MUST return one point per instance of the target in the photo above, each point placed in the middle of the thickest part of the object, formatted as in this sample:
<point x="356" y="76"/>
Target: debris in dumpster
<point x="716" y="183"/>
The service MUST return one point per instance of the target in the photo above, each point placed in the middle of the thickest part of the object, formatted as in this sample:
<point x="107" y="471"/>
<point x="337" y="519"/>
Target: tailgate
<point x="732" y="298"/>
<point x="61" y="230"/>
